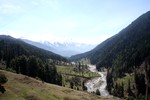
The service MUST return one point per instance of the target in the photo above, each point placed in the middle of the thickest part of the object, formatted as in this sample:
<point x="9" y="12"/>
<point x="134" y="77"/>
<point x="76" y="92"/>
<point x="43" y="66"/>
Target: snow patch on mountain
<point x="66" y="49"/>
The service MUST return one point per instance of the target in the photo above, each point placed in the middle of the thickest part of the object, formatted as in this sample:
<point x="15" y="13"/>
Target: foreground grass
<point x="20" y="87"/>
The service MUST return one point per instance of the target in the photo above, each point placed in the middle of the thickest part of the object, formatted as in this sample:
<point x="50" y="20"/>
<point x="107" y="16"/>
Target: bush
<point x="2" y="89"/>
<point x="130" y="98"/>
<point x="3" y="80"/>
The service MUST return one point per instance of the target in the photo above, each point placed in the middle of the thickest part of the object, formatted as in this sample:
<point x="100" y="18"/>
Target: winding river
<point x="97" y="83"/>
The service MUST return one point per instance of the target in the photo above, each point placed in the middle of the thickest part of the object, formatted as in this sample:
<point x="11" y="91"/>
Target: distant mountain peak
<point x="66" y="48"/>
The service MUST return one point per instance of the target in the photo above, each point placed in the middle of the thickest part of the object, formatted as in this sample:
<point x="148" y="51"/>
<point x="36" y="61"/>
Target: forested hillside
<point x="130" y="46"/>
<point x="20" y="57"/>
<point x="11" y="48"/>
<point x="126" y="52"/>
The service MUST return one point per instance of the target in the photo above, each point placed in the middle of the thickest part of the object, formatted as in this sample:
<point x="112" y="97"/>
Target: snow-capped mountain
<point x="66" y="49"/>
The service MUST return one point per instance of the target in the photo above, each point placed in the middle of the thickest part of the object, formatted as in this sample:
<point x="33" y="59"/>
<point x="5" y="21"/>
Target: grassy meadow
<point x="20" y="87"/>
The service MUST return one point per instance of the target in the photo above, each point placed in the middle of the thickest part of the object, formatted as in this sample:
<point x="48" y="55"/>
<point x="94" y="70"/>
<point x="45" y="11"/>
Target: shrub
<point x="3" y="80"/>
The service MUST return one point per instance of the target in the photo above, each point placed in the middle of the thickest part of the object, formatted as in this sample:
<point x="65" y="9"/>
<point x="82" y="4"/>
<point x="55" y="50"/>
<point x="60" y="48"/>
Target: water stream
<point x="98" y="82"/>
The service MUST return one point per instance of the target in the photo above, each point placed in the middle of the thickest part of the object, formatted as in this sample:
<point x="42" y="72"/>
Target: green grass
<point x="70" y="70"/>
<point x="20" y="87"/>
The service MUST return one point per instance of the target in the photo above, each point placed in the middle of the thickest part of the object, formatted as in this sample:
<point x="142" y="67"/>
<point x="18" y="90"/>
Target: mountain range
<point x="65" y="49"/>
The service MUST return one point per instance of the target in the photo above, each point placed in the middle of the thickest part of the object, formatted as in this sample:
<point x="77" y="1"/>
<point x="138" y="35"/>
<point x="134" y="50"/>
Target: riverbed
<point x="98" y="82"/>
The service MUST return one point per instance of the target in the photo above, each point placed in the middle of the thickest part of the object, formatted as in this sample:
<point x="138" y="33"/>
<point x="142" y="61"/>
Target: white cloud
<point x="9" y="8"/>
<point x="53" y="4"/>
<point x="35" y="3"/>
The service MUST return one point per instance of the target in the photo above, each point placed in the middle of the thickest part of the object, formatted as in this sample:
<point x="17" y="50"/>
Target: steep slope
<point x="130" y="46"/>
<point x="20" y="87"/>
<point x="11" y="48"/>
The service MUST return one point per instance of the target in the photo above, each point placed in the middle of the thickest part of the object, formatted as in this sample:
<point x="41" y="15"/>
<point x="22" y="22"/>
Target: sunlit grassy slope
<point x="20" y="87"/>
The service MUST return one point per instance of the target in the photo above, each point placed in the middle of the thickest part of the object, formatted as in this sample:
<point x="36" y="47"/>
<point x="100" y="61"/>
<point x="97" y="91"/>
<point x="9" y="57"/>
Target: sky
<point x="82" y="21"/>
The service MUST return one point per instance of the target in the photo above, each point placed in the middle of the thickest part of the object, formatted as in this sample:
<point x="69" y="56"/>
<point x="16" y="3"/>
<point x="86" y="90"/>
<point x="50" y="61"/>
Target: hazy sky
<point x="86" y="21"/>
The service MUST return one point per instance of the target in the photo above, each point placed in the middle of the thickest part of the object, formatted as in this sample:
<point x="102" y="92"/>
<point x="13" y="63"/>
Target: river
<point x="98" y="82"/>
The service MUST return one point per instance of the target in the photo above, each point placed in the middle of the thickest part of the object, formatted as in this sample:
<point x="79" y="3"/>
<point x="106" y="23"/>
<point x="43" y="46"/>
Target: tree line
<point x="34" y="67"/>
<point x="140" y="89"/>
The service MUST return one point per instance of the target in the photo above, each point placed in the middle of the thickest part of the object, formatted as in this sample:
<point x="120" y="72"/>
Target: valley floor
<point x="20" y="87"/>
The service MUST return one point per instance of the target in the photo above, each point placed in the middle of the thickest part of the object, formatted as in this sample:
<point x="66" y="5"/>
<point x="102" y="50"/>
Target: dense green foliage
<point x="36" y="68"/>
<point x="3" y="80"/>
<point x="124" y="53"/>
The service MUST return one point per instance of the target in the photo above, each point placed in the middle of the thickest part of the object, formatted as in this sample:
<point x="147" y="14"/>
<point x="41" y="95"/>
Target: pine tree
<point x="129" y="91"/>
<point x="83" y="86"/>
<point x="122" y="89"/>
<point x="33" y="66"/>
<point x="147" y="73"/>
<point x="109" y="79"/>
<point x="115" y="91"/>
<point x="71" y="85"/>
<point x="98" y="92"/>
<point x="22" y="60"/>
